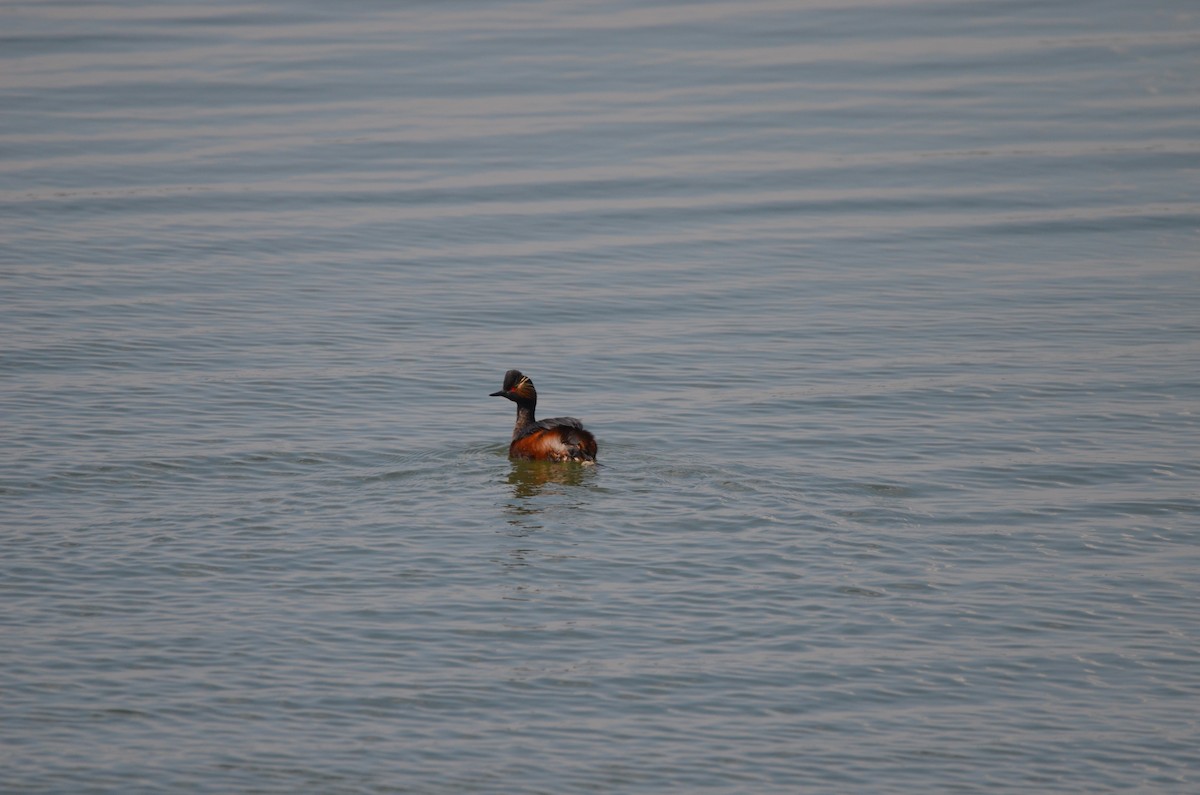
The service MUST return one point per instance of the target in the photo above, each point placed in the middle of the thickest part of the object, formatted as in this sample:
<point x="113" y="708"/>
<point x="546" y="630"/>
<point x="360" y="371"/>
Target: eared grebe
<point x="557" y="439"/>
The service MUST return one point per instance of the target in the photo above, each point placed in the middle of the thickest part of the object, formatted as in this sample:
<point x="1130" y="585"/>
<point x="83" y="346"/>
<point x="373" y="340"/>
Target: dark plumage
<point x="556" y="439"/>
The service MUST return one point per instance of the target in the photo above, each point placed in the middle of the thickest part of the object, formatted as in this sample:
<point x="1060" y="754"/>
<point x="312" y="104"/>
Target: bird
<point x="557" y="439"/>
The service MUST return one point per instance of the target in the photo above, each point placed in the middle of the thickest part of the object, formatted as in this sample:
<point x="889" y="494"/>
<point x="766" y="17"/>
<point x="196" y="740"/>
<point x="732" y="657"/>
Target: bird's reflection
<point x="541" y="485"/>
<point x="531" y="478"/>
<point x="541" y="492"/>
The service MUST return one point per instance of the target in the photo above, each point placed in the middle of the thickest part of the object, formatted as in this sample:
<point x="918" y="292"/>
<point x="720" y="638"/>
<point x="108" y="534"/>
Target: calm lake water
<point x="886" y="316"/>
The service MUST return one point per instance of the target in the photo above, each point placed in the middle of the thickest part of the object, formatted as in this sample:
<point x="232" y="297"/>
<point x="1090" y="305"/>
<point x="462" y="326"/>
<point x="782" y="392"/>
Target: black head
<point x="517" y="388"/>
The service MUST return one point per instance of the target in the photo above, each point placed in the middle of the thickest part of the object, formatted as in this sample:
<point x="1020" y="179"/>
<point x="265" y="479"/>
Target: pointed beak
<point x="497" y="394"/>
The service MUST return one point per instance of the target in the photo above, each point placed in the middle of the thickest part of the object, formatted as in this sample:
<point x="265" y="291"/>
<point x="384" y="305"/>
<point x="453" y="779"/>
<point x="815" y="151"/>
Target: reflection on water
<point x="541" y="486"/>
<point x="541" y="491"/>
<point x="531" y="478"/>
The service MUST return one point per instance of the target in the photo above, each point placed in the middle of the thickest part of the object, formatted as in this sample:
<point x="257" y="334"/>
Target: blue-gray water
<point x="886" y="316"/>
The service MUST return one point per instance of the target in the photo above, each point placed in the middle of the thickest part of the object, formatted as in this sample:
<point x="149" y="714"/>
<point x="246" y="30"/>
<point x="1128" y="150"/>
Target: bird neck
<point x="525" y="409"/>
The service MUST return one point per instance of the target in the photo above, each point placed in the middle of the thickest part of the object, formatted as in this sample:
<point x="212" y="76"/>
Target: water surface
<point x="884" y="315"/>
